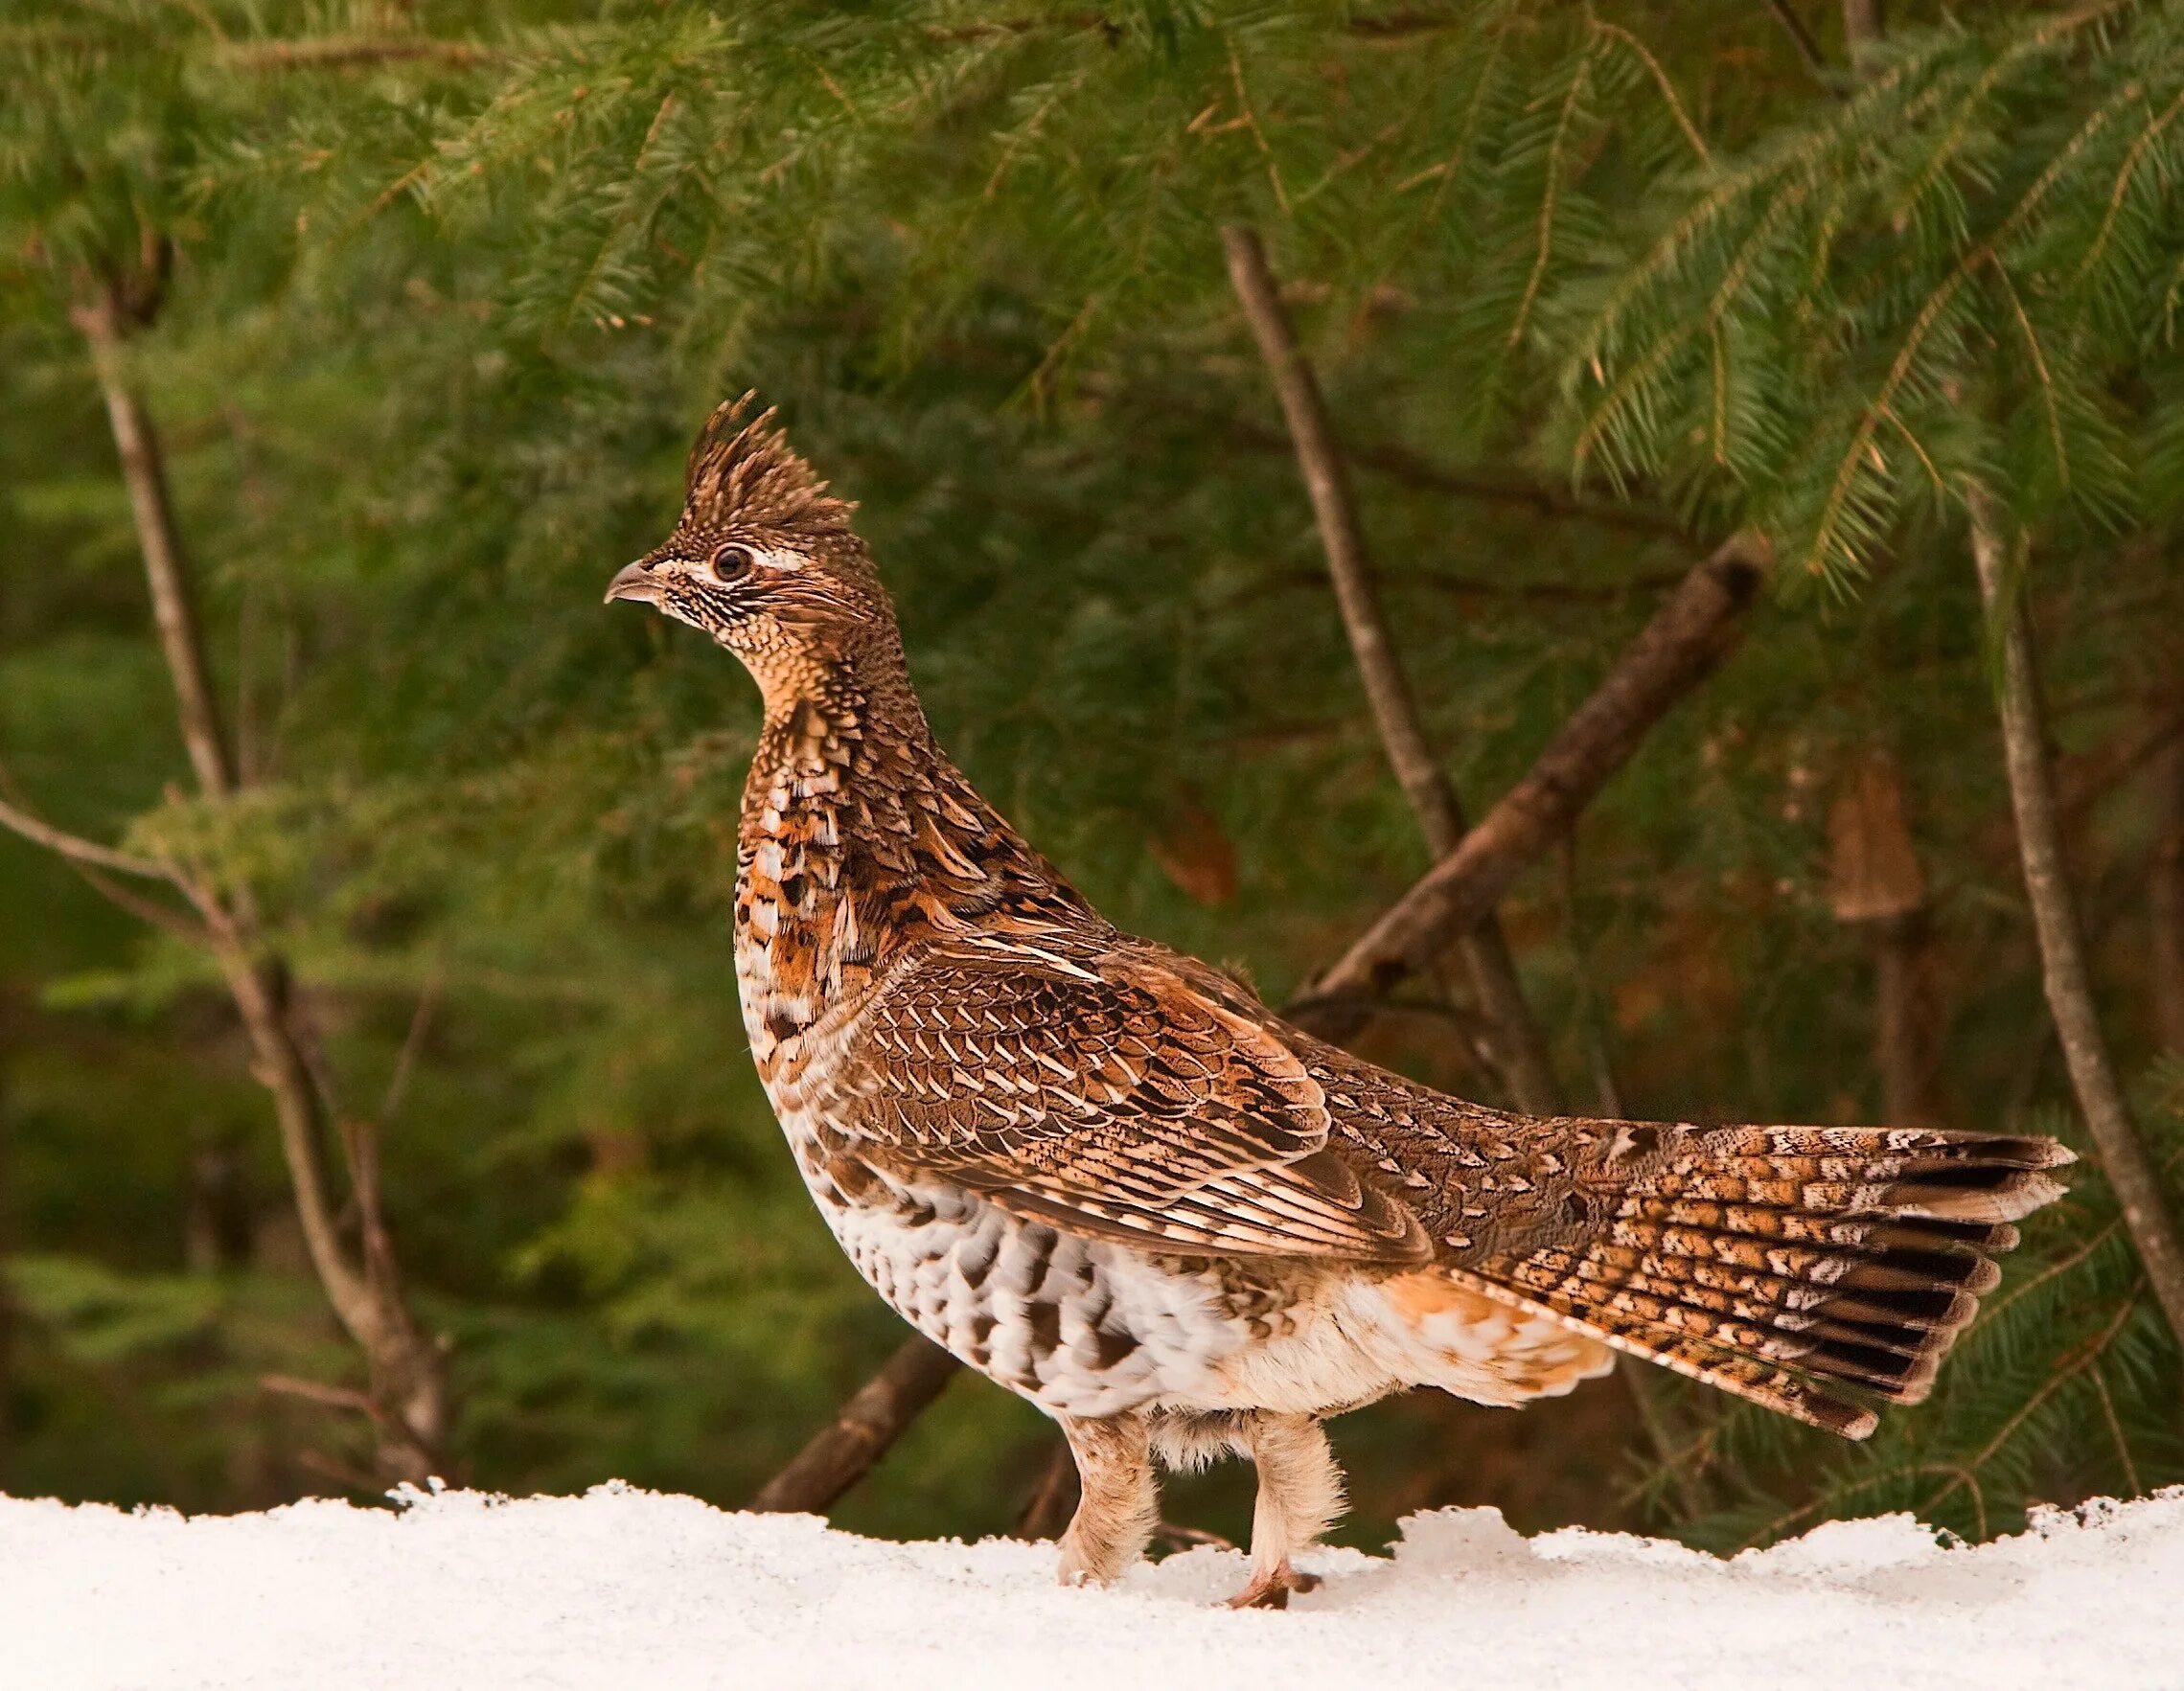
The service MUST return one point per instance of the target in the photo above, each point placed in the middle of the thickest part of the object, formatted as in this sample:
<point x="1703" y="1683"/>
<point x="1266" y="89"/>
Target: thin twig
<point x="319" y="1391"/>
<point x="413" y="1042"/>
<point x="75" y="848"/>
<point x="1048" y="1512"/>
<point x="1861" y="28"/>
<point x="100" y="315"/>
<point x="2067" y="979"/>
<point x="1399" y="464"/>
<point x="1190" y="1538"/>
<point x="342" y="1473"/>
<point x="2123" y="1445"/>
<point x="1591" y="1015"/>
<point x="1801" y="37"/>
<point x="1519" y="1050"/>
<point x="85" y="857"/>
<point x="407" y="1368"/>
<point x="2165" y="897"/>
<point x="147" y="910"/>
<point x="1637" y="1374"/>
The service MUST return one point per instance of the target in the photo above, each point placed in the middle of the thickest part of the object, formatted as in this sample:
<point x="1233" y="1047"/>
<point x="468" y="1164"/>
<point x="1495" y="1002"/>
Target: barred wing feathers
<point x="1107" y="1093"/>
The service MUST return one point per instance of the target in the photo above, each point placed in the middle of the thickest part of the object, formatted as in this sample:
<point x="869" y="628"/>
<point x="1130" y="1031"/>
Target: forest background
<point x="373" y="1096"/>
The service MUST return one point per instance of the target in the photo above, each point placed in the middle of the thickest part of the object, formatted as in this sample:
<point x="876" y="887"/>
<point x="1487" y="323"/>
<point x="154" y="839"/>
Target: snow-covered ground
<point x="631" y="1589"/>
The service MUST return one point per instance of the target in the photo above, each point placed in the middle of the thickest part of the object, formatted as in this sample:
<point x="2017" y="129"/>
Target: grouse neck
<point x="860" y="838"/>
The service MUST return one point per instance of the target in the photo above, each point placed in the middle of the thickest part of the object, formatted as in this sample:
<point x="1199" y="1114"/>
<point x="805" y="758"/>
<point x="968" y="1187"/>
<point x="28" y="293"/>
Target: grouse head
<point x="764" y="559"/>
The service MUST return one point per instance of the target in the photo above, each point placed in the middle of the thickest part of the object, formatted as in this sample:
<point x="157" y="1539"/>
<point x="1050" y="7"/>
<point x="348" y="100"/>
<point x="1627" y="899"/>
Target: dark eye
<point x="733" y="561"/>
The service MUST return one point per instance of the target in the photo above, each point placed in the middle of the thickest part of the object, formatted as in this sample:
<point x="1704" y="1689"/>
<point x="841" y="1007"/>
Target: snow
<point x="628" y="1589"/>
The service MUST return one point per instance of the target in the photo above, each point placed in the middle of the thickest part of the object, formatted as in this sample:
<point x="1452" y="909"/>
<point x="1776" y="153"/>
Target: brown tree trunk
<point x="2124" y="1156"/>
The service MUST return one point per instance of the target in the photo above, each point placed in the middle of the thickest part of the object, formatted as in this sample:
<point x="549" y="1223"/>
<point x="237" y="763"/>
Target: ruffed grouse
<point x="1108" y="1177"/>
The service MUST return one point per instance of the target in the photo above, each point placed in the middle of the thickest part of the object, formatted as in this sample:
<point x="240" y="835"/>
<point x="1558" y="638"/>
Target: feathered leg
<point x="1300" y="1494"/>
<point x="1121" y="1504"/>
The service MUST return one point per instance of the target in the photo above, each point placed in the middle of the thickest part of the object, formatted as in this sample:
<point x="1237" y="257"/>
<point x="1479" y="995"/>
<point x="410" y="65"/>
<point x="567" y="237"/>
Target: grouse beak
<point x="637" y="580"/>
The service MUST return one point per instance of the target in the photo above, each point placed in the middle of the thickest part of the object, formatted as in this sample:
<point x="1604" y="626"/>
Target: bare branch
<point x="147" y="910"/>
<point x="871" y="1421"/>
<point x="1801" y="37"/>
<point x="1401" y="463"/>
<point x="1386" y="689"/>
<point x="1048" y="1514"/>
<point x="1683" y="643"/>
<point x="75" y="848"/>
<point x="1519" y="1051"/>
<point x="318" y="1391"/>
<point x="2165" y="887"/>
<point x="408" y="1376"/>
<point x="413" y="1042"/>
<point x="90" y="860"/>
<point x="2115" y="1139"/>
<point x="406" y="1369"/>
<point x="102" y="315"/>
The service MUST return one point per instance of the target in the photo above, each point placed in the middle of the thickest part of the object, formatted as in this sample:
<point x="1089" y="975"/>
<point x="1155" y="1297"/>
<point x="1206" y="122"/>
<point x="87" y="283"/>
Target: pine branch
<point x="1639" y="51"/>
<point x="1573" y="102"/>
<point x="1839" y="515"/>
<point x="2083" y="1356"/>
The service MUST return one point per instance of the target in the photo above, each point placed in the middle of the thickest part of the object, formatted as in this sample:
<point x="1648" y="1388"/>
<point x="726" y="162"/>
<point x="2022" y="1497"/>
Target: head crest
<point x="749" y="476"/>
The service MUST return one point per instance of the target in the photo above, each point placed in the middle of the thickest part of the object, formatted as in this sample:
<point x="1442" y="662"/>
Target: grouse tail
<point x="1816" y="1271"/>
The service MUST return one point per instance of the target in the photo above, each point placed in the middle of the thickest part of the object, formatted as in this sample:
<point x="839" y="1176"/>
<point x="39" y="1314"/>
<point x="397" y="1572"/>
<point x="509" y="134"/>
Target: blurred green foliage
<point x="1590" y="287"/>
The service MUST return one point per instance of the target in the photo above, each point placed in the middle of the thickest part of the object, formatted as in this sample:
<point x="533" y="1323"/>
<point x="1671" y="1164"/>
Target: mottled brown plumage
<point x="1108" y="1177"/>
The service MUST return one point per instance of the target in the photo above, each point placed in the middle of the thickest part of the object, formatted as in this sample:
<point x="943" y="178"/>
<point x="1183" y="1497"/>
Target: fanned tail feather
<point x="1801" y="1268"/>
